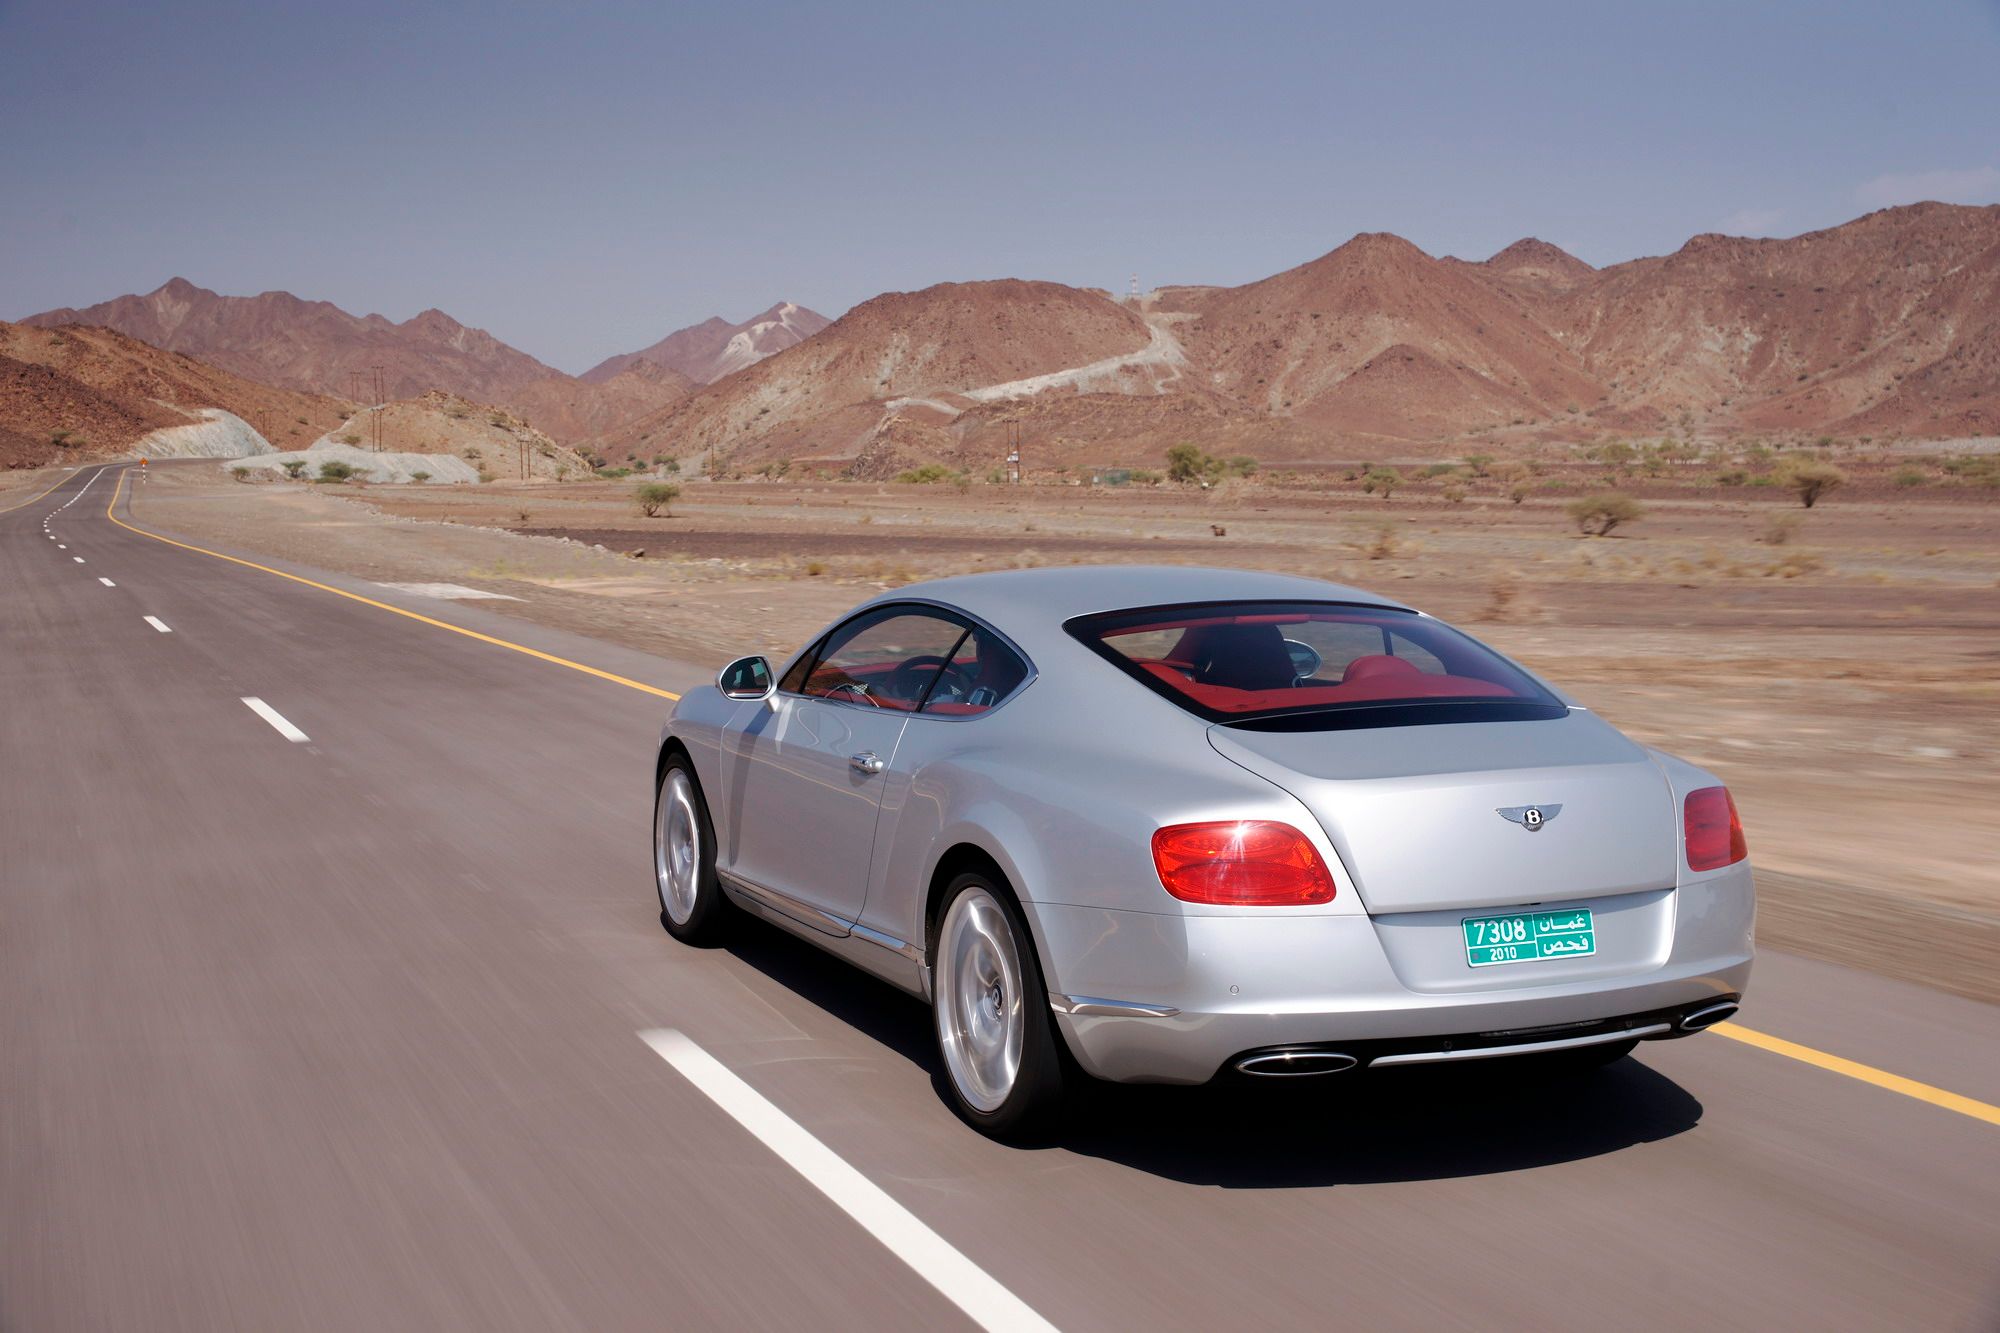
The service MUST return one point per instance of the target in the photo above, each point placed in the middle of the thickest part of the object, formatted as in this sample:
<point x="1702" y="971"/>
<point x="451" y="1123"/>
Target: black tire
<point x="1033" y="1103"/>
<point x="707" y="919"/>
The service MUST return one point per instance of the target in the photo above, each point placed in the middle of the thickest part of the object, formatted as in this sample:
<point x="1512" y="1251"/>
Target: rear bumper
<point x="1236" y="984"/>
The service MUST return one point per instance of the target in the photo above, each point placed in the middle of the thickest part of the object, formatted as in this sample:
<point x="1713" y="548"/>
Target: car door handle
<point x="866" y="762"/>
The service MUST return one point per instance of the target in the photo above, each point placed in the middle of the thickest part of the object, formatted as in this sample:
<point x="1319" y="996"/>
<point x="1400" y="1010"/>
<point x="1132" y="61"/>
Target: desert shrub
<point x="350" y="438"/>
<point x="1187" y="463"/>
<point x="815" y="568"/>
<point x="1142" y="477"/>
<point x="1616" y="452"/>
<point x="1734" y="477"/>
<point x="61" y="438"/>
<point x="1479" y="463"/>
<point x="673" y="465"/>
<point x="1518" y="492"/>
<point x="614" y="473"/>
<point x="420" y="477"/>
<point x="996" y="474"/>
<point x="1909" y="476"/>
<point x="930" y="474"/>
<point x="1597" y="515"/>
<point x="1383" y="479"/>
<point x="293" y="467"/>
<point x="1454" y="492"/>
<point x="1810" y="480"/>
<point x="335" y="470"/>
<point x="1780" y="530"/>
<point x="1240" y="465"/>
<point x="240" y="472"/>
<point x="654" y="496"/>
<point x="1114" y="476"/>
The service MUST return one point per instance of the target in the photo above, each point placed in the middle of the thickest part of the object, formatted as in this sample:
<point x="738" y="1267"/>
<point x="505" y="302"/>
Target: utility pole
<point x="1014" y="452"/>
<point x="378" y="407"/>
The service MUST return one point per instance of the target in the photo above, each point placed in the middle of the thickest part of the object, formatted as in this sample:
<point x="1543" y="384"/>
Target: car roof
<point x="1022" y="601"/>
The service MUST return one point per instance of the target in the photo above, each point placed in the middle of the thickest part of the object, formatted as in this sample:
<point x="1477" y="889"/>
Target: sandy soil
<point x="1844" y="681"/>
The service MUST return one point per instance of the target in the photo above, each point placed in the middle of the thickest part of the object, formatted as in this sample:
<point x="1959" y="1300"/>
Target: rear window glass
<point x="1314" y="665"/>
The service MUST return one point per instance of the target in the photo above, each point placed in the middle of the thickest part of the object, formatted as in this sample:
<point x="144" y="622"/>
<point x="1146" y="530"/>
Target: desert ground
<point x="1839" y="667"/>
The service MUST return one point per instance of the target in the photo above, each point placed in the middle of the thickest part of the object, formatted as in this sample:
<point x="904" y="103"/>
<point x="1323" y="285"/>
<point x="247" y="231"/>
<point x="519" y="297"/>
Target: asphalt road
<point x="342" y="1033"/>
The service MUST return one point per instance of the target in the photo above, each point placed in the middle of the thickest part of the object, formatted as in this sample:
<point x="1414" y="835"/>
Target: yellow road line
<point x="69" y="476"/>
<point x="1909" y="1087"/>
<point x="613" y="677"/>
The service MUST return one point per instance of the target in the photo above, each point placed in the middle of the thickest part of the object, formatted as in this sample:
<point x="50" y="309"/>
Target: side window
<point x="886" y="658"/>
<point x="982" y="672"/>
<point x="795" y="679"/>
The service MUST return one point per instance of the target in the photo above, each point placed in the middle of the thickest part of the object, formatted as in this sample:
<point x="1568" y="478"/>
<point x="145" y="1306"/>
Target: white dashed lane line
<point x="275" y="718"/>
<point x="107" y="583"/>
<point x="158" y="624"/>
<point x="962" y="1282"/>
<point x="77" y="558"/>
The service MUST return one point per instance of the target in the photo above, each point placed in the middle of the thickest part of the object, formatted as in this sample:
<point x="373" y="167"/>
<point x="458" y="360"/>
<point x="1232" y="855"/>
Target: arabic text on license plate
<point x="1529" y="937"/>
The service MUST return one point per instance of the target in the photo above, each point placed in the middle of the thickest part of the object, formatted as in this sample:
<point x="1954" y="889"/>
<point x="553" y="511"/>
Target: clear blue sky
<point x="580" y="180"/>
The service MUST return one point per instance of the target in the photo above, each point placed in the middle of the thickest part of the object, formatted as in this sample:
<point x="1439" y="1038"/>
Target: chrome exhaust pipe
<point x="1707" y="1016"/>
<point x="1295" y="1064"/>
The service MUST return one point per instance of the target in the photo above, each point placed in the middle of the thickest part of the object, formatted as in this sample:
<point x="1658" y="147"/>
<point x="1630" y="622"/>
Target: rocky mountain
<point x="575" y="410"/>
<point x="1887" y="325"/>
<point x="707" y="351"/>
<point x="72" y="393"/>
<point x="314" y="346"/>
<point x="904" y="354"/>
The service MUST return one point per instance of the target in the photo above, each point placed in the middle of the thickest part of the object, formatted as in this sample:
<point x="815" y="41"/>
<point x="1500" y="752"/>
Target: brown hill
<point x="904" y="353"/>
<point x="1539" y="268"/>
<point x="314" y="345"/>
<point x="571" y="409"/>
<point x="86" y="392"/>
<point x="1887" y="324"/>
<point x="1287" y="345"/>
<point x="707" y="351"/>
<point x="318" y="347"/>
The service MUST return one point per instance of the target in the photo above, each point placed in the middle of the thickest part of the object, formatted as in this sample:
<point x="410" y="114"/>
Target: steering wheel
<point x="905" y="682"/>
<point x="855" y="690"/>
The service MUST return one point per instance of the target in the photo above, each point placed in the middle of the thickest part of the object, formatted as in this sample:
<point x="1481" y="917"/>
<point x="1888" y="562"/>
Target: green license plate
<point x="1529" y="937"/>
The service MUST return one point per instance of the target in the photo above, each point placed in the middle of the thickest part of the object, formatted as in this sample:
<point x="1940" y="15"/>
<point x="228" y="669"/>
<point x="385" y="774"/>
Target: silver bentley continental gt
<point x="1161" y="825"/>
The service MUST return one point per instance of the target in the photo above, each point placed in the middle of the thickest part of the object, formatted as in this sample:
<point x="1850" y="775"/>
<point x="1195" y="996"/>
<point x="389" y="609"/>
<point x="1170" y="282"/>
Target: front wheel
<point x="1002" y="1061"/>
<point x="692" y="907"/>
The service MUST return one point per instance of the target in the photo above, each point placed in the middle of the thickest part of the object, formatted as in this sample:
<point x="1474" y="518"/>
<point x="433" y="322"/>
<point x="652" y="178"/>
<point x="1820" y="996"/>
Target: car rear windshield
<point x="1311" y="666"/>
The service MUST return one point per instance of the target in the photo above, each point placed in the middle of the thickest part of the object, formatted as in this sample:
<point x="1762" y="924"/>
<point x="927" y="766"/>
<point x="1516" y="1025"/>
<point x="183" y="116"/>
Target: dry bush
<point x="1809" y="480"/>
<point x="1780" y="530"/>
<point x="1597" y="515"/>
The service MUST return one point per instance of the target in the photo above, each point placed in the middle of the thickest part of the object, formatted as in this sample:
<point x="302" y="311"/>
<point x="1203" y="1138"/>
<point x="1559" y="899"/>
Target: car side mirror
<point x="746" y="678"/>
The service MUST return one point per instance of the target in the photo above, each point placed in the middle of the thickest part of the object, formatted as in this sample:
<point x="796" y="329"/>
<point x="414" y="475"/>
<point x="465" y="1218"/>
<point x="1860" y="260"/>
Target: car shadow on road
<point x="1344" y="1129"/>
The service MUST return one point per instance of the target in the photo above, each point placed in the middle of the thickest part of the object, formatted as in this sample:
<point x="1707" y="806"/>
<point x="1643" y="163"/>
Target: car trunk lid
<point x="1415" y="812"/>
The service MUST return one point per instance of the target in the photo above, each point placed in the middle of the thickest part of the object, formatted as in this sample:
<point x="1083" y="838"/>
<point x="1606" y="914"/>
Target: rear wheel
<point x="692" y="907"/>
<point x="1001" y="1055"/>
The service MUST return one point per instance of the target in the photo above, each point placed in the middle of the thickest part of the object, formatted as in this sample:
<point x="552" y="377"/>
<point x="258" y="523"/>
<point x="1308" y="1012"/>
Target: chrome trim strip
<point x="1091" y="1006"/>
<point x="1525" y="1048"/>
<point x="889" y="942"/>
<point x="785" y="905"/>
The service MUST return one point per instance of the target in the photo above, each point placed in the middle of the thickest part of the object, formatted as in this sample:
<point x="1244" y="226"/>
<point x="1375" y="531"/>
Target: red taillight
<point x="1242" y="862"/>
<point x="1714" y="833"/>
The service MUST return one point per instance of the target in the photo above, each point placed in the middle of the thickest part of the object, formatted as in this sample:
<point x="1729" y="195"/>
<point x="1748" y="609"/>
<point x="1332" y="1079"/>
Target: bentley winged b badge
<point x="1529" y="817"/>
